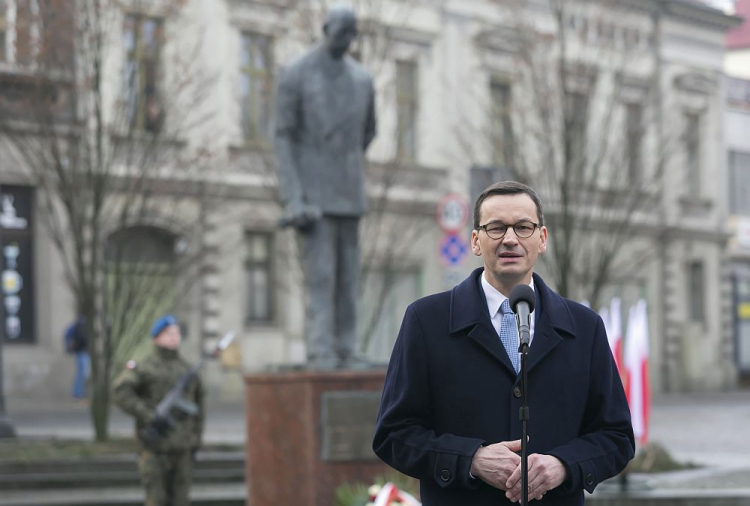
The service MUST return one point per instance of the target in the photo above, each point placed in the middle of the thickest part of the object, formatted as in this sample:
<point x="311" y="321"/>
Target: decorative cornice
<point x="501" y="39"/>
<point x="696" y="13"/>
<point x="696" y="82"/>
<point x="371" y="27"/>
<point x="273" y="4"/>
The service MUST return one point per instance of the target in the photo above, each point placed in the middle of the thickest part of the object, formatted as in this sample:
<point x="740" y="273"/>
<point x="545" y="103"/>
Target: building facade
<point x="465" y="96"/>
<point x="737" y="121"/>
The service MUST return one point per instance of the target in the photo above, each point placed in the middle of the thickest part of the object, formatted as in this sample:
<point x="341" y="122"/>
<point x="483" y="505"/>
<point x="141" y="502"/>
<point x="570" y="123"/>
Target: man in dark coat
<point x="450" y="408"/>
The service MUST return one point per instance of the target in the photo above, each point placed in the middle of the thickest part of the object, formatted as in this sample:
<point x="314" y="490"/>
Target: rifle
<point x="164" y="420"/>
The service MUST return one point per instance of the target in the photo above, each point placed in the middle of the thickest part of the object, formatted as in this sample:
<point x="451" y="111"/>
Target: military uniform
<point x="166" y="465"/>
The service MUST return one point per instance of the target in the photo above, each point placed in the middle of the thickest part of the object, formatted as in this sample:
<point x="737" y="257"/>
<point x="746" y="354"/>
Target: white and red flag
<point x="636" y="366"/>
<point x="613" y="325"/>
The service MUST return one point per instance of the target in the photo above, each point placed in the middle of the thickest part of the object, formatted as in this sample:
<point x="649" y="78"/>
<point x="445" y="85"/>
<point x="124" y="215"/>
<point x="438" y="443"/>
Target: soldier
<point x="165" y="465"/>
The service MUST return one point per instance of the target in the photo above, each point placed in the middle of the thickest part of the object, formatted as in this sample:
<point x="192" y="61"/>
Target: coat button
<point x="517" y="391"/>
<point x="445" y="475"/>
<point x="589" y="479"/>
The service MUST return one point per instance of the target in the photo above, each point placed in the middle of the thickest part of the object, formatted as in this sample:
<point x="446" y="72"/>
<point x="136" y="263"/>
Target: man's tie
<point x="509" y="333"/>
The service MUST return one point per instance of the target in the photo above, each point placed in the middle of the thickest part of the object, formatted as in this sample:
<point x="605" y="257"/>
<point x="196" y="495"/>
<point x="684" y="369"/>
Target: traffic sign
<point x="453" y="249"/>
<point x="452" y="212"/>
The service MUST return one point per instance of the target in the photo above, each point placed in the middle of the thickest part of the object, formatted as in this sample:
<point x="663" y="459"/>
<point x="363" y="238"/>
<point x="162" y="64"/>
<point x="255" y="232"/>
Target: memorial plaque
<point x="348" y="422"/>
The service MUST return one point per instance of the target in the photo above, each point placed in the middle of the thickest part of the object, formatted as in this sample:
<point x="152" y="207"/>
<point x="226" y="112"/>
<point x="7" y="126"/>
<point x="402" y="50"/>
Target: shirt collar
<point x="494" y="297"/>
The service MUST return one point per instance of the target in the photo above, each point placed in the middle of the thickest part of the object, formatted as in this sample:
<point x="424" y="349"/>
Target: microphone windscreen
<point x="521" y="293"/>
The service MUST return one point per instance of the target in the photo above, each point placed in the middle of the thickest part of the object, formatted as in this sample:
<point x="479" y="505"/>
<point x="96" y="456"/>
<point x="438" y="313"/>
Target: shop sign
<point x="16" y="264"/>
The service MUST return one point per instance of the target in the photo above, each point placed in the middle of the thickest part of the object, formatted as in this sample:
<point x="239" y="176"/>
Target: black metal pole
<point x="523" y="415"/>
<point x="6" y="427"/>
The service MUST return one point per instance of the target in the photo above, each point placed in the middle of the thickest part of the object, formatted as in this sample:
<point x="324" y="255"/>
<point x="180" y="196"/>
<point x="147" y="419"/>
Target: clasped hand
<point x="499" y="465"/>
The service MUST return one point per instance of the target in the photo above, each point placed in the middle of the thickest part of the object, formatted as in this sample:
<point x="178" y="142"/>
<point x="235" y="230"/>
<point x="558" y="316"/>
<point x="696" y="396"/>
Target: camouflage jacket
<point x="142" y="385"/>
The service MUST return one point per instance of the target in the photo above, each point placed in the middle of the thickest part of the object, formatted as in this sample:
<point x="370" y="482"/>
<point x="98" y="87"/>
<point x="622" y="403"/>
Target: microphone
<point x="522" y="303"/>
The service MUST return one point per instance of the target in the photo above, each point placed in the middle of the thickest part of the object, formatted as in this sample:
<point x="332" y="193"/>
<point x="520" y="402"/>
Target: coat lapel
<point x="469" y="317"/>
<point x="553" y="320"/>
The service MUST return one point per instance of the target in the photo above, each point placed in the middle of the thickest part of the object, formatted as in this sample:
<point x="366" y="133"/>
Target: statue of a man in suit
<point x="325" y="120"/>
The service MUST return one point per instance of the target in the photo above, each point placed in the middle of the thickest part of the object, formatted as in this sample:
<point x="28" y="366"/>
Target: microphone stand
<point x="523" y="416"/>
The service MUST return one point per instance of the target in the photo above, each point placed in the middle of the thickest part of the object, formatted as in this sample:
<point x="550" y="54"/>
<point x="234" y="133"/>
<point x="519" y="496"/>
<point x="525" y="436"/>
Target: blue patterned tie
<point x="509" y="333"/>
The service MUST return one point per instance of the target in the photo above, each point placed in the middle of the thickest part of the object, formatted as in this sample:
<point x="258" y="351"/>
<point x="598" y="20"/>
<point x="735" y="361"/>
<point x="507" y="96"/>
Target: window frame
<point x="267" y="266"/>
<point x="501" y="124"/>
<point x="634" y="137"/>
<point x="693" y="149"/>
<point x="696" y="273"/>
<point x="9" y="30"/>
<point x="252" y="129"/>
<point x="135" y="90"/>
<point x="407" y="111"/>
<point x="738" y="205"/>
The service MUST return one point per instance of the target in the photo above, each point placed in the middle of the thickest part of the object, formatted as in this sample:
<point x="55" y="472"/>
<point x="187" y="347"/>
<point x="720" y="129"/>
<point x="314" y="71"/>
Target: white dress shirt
<point x="495" y="300"/>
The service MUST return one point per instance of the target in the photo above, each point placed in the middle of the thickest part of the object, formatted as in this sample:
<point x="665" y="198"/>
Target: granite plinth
<point x="287" y="463"/>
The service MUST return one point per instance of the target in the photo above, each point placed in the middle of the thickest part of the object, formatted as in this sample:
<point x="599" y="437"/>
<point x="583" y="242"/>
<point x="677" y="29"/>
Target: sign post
<point x="452" y="214"/>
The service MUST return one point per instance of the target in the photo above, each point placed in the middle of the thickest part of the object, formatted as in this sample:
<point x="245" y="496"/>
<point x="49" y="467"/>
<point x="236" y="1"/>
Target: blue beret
<point x="162" y="323"/>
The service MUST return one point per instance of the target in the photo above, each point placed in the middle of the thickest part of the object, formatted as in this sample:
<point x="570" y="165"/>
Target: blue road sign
<point x="453" y="249"/>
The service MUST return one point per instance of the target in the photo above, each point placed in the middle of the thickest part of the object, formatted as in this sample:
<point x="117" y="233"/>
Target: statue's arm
<point x="371" y="126"/>
<point x="288" y="125"/>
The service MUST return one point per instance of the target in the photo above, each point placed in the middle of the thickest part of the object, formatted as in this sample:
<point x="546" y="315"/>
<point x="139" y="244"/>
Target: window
<point x="259" y="289"/>
<point x="19" y="31"/>
<point x="56" y="40"/>
<point x="480" y="177"/>
<point x="4" y="32"/>
<point x="742" y="317"/>
<point x="406" y="110"/>
<point x="696" y="291"/>
<point x="256" y="85"/>
<point x="633" y="144"/>
<point x="575" y="131"/>
<point x="385" y="294"/>
<point x="143" y="38"/>
<point x="692" y="141"/>
<point x="26" y="43"/>
<point x="502" y="127"/>
<point x="36" y="32"/>
<point x="739" y="183"/>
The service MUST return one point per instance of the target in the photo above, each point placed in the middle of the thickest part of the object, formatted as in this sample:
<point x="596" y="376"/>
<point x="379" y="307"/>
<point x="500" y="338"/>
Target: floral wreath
<point x="390" y="495"/>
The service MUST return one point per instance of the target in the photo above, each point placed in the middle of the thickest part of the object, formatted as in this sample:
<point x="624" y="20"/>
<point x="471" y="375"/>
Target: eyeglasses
<point x="497" y="230"/>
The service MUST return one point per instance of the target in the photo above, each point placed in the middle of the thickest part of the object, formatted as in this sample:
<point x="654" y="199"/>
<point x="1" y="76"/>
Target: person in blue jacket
<point x="76" y="343"/>
<point x="449" y="413"/>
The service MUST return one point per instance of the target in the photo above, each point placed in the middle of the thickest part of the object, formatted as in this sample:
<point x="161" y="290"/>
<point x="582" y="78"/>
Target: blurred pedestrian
<point x="165" y="462"/>
<point x="76" y="343"/>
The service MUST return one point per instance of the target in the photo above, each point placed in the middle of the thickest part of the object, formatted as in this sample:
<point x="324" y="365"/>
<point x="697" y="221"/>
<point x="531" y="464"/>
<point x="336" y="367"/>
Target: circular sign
<point x="453" y="249"/>
<point x="452" y="212"/>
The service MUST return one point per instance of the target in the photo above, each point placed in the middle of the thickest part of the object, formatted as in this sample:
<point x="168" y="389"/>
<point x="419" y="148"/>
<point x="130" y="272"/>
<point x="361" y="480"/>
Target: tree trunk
<point x="100" y="406"/>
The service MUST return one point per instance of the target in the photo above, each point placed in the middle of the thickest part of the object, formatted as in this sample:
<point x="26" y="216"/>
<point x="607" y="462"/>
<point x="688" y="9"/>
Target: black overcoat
<point x="450" y="388"/>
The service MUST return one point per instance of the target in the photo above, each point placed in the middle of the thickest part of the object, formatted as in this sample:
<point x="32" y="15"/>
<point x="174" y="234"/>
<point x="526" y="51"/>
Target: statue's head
<point x="340" y="28"/>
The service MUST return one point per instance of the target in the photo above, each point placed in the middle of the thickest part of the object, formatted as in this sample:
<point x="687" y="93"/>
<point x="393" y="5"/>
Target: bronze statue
<point x="325" y="120"/>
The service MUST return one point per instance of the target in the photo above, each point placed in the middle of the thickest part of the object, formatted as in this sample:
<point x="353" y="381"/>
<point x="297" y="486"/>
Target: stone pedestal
<point x="308" y="432"/>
